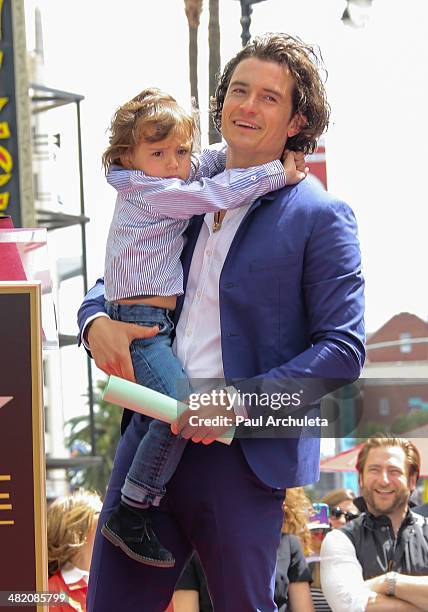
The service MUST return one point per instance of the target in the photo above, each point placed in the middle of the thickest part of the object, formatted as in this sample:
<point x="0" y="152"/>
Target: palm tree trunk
<point x="193" y="9"/>
<point x="193" y="63"/>
<point x="214" y="61"/>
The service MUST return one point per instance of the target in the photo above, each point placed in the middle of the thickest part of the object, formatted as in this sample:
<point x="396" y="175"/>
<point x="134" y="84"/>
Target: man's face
<point x="384" y="483"/>
<point x="257" y="116"/>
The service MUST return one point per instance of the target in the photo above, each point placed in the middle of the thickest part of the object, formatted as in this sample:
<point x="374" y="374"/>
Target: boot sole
<point x="113" y="539"/>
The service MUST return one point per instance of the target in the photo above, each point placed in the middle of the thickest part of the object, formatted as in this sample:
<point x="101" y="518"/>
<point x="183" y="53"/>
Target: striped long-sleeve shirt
<point x="146" y="239"/>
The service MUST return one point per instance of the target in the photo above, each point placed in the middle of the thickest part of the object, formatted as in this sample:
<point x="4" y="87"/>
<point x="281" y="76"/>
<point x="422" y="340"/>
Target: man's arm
<point x="382" y="603"/>
<point x="91" y="307"/>
<point x="409" y="589"/>
<point x="105" y="340"/>
<point x="342" y="579"/>
<point x="185" y="601"/>
<point x="333" y="290"/>
<point x="344" y="586"/>
<point x="191" y="588"/>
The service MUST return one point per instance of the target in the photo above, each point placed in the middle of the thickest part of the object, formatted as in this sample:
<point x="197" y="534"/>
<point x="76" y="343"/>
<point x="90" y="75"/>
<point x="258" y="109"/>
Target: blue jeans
<point x="155" y="366"/>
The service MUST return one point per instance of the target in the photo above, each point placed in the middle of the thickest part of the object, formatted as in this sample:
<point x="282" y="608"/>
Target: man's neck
<point x="396" y="517"/>
<point x="236" y="159"/>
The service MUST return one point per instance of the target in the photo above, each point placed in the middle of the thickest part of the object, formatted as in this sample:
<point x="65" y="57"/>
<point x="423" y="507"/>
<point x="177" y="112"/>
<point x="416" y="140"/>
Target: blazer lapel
<point x="192" y="234"/>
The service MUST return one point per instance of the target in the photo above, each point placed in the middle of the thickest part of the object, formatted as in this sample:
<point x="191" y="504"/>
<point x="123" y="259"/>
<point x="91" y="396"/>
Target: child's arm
<point x="230" y="189"/>
<point x="212" y="161"/>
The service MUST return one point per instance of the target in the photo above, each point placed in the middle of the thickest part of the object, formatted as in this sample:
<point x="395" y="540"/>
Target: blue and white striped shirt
<point x="146" y="239"/>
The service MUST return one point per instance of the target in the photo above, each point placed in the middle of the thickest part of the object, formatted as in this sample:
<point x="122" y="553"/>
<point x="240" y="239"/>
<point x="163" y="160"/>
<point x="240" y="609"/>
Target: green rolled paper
<point x="150" y="403"/>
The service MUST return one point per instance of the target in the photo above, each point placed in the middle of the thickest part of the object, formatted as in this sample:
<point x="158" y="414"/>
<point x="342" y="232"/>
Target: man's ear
<point x="412" y="483"/>
<point x="296" y="124"/>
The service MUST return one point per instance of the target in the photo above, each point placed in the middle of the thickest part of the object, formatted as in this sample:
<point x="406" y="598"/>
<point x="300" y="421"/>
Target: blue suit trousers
<point x="214" y="504"/>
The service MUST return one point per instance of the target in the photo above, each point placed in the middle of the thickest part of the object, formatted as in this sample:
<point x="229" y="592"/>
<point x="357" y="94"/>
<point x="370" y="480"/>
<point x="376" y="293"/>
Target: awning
<point x="346" y="460"/>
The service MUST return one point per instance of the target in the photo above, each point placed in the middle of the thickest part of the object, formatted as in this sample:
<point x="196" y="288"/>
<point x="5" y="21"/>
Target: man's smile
<point x="383" y="493"/>
<point x="246" y="124"/>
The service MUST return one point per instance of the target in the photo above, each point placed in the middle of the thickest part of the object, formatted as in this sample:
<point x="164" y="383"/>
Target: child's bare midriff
<point x="160" y="301"/>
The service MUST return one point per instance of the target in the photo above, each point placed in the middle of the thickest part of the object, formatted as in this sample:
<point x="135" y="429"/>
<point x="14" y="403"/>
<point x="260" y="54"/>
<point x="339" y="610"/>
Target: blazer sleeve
<point x="92" y="306"/>
<point x="333" y="291"/>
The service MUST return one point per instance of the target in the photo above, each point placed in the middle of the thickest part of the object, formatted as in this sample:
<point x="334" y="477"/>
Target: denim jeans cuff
<point x="142" y="493"/>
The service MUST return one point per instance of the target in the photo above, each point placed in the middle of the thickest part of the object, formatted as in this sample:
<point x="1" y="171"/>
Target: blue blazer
<point x="291" y="307"/>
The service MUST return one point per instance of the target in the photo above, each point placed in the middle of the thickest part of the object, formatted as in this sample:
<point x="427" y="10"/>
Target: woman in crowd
<point x="342" y="506"/>
<point x="318" y="527"/>
<point x="72" y="521"/>
<point x="293" y="577"/>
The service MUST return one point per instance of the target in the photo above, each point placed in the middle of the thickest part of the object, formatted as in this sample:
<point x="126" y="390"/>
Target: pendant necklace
<point x="217" y="221"/>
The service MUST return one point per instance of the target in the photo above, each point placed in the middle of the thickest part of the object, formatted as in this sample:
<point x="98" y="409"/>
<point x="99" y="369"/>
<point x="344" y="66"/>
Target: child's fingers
<point x="301" y="175"/>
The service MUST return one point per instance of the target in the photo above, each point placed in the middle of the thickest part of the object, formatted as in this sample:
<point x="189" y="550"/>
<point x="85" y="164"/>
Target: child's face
<point x="167" y="158"/>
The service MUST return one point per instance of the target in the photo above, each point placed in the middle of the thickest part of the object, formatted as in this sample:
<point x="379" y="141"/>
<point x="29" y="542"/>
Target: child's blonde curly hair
<point x="70" y="519"/>
<point x="151" y="116"/>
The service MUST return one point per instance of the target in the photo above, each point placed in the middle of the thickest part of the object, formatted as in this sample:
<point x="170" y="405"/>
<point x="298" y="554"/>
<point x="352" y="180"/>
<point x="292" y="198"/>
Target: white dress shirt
<point x="342" y="579"/>
<point x="197" y="342"/>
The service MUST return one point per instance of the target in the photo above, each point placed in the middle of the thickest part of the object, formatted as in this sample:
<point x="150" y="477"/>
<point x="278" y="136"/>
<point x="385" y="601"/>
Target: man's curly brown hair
<point x="306" y="66"/>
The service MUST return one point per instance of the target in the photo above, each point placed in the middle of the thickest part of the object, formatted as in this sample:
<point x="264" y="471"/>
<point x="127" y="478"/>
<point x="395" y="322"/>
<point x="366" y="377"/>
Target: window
<point x="406" y="347"/>
<point x="384" y="407"/>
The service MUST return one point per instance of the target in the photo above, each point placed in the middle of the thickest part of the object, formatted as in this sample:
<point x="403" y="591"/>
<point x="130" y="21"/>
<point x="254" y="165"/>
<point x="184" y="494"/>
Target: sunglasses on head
<point x="337" y="513"/>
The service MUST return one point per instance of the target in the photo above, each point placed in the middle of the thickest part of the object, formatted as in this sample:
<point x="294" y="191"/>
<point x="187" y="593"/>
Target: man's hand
<point x="377" y="584"/>
<point x="294" y="166"/>
<point x="197" y="424"/>
<point x="109" y="343"/>
<point x="410" y="596"/>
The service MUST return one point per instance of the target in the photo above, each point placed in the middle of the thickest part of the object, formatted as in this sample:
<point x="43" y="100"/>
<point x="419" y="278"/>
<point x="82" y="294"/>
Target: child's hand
<point x="294" y="166"/>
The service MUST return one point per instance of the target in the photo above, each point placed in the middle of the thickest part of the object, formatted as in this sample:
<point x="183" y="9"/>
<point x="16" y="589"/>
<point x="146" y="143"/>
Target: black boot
<point x="130" y="529"/>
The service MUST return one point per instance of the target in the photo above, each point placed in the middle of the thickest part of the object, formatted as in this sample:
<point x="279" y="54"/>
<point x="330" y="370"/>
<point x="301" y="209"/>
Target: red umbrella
<point x="346" y="460"/>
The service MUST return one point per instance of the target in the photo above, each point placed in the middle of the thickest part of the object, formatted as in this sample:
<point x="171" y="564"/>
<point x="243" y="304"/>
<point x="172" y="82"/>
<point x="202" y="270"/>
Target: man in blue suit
<point x="275" y="295"/>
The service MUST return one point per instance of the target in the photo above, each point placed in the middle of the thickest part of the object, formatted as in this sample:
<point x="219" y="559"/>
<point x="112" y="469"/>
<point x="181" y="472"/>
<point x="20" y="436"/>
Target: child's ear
<point x="126" y="160"/>
<point x="297" y="123"/>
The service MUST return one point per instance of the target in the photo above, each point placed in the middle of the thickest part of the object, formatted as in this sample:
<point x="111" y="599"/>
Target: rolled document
<point x="150" y="403"/>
